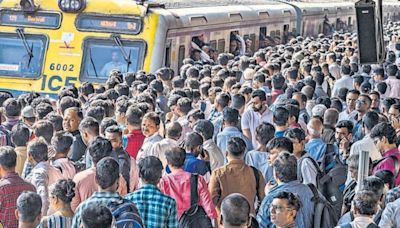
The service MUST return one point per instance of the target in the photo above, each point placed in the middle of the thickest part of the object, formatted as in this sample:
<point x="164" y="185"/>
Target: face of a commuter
<point x="71" y="120"/>
<point x="362" y="104"/>
<point x="351" y="99"/>
<point x="258" y="104"/>
<point x="281" y="214"/>
<point x="149" y="128"/>
<point x="115" y="139"/>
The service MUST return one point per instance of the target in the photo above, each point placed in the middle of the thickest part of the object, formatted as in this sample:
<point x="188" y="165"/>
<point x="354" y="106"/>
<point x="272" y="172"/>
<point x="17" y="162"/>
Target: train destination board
<point x="128" y="25"/>
<point x="36" y="20"/>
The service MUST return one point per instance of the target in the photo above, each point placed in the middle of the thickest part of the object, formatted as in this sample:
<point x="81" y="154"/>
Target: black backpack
<point x="125" y="214"/>
<point x="195" y="216"/>
<point x="324" y="214"/>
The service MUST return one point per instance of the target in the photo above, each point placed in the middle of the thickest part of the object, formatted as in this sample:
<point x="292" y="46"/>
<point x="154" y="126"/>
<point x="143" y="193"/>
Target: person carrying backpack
<point x="124" y="212"/>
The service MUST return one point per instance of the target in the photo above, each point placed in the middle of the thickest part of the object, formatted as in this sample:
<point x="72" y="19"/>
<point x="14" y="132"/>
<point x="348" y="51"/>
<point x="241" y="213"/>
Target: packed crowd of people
<point x="268" y="140"/>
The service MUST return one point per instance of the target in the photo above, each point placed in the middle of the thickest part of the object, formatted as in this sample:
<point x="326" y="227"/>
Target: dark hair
<point x="106" y="123"/>
<point x="99" y="148"/>
<point x="281" y="143"/>
<point x="381" y="87"/>
<point x="370" y="119"/>
<point x="235" y="210"/>
<point x="260" y="94"/>
<point x="8" y="157"/>
<point x="204" y="128"/>
<point x="278" y="81"/>
<point x="150" y="169"/>
<point x="384" y="130"/>
<point x="107" y="172"/>
<point x="281" y="116"/>
<point x="62" y="142"/>
<point x="319" y="78"/>
<point x="391" y="70"/>
<point x="20" y="135"/>
<point x="236" y="146"/>
<point x="29" y="206"/>
<point x="265" y="132"/>
<point x="96" y="215"/>
<point x="69" y="102"/>
<point x="285" y="167"/>
<point x="43" y="109"/>
<point x="193" y="140"/>
<point x="365" y="202"/>
<point x="134" y="115"/>
<point x="56" y="120"/>
<point x="64" y="189"/>
<point x="293" y="201"/>
<point x="90" y="124"/>
<point x="345" y="124"/>
<point x="346" y="69"/>
<point x="230" y="116"/>
<point x="86" y="88"/>
<point x="114" y="129"/>
<point x="44" y="128"/>
<point x="153" y="117"/>
<point x="184" y="104"/>
<point x="12" y="107"/>
<point x="296" y="133"/>
<point x="174" y="130"/>
<point x="292" y="72"/>
<point x="388" y="102"/>
<point x="96" y="112"/>
<point x="122" y="89"/>
<point x="375" y="185"/>
<point x="223" y="99"/>
<point x="38" y="150"/>
<point x="238" y="101"/>
<point x="175" y="157"/>
<point x="336" y="103"/>
<point x="387" y="177"/>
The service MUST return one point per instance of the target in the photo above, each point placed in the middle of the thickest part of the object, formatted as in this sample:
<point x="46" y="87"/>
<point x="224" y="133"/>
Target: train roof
<point x="176" y="4"/>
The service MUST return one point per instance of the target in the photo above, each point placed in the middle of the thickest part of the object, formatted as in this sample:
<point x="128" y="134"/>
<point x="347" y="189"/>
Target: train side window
<point x="181" y="55"/>
<point x="278" y="33"/>
<point x="253" y="41"/>
<point x="213" y="44"/>
<point x="221" y="45"/>
<point x="263" y="33"/>
<point x="272" y="34"/>
<point x="167" y="60"/>
<point x="349" y="21"/>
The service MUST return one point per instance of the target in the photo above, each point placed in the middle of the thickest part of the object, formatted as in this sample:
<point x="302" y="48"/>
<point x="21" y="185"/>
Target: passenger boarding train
<point x="46" y="45"/>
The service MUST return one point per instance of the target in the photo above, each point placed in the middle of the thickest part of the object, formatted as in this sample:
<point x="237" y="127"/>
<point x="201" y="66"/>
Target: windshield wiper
<point x="127" y="57"/>
<point x="29" y="50"/>
<point x="92" y="62"/>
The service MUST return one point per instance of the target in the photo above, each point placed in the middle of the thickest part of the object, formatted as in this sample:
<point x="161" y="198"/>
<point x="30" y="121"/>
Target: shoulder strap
<point x="194" y="197"/>
<point x="314" y="192"/>
<point x="396" y="165"/>
<point x="257" y="176"/>
<point x="299" y="174"/>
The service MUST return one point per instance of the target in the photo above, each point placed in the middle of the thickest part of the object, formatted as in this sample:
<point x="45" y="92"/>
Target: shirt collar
<point x="150" y="186"/>
<point x="106" y="194"/>
<point x="10" y="175"/>
<point x="231" y="129"/>
<point x="236" y="161"/>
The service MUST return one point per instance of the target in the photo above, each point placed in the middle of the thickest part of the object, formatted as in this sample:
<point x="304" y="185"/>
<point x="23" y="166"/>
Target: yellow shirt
<point x="22" y="154"/>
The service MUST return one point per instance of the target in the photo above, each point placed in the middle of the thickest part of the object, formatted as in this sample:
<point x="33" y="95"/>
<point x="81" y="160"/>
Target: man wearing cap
<point x="28" y="116"/>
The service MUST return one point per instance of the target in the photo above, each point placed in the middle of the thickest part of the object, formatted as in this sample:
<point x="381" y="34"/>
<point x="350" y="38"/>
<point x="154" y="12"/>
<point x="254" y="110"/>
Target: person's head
<point x="8" y="160"/>
<point x="194" y="116"/>
<point x="363" y="103"/>
<point x="194" y="143"/>
<point x="114" y="135"/>
<point x="43" y="128"/>
<point x="285" y="168"/>
<point x="384" y="136"/>
<point x="351" y="99"/>
<point x="278" y="82"/>
<point x="62" y="142"/>
<point x="281" y="117"/>
<point x="236" y="148"/>
<point x="394" y="112"/>
<point x="364" y="204"/>
<point x="230" y="117"/>
<point x="277" y="145"/>
<point x="96" y="215"/>
<point x="264" y="133"/>
<point x="205" y="128"/>
<point x="259" y="100"/>
<point x="301" y="98"/>
<point x="284" y="208"/>
<point x="352" y="165"/>
<point x="12" y="108"/>
<point x="235" y="211"/>
<point x="56" y="120"/>
<point x="37" y="151"/>
<point x="20" y="135"/>
<point x="99" y="148"/>
<point x="150" y="124"/>
<point x="315" y="127"/>
<point x="175" y="157"/>
<point x="238" y="102"/>
<point x="344" y="130"/>
<point x="298" y="138"/>
<point x="107" y="174"/>
<point x="134" y="117"/>
<point x="72" y="118"/>
<point x="173" y="130"/>
<point x="369" y="120"/>
<point x="331" y="117"/>
<point x="89" y="128"/>
<point x="184" y="105"/>
<point x="375" y="100"/>
<point x="29" y="206"/>
<point x="61" y="194"/>
<point x="391" y="70"/>
<point x="388" y="179"/>
<point x="150" y="170"/>
<point x="375" y="185"/>
<point x="222" y="100"/>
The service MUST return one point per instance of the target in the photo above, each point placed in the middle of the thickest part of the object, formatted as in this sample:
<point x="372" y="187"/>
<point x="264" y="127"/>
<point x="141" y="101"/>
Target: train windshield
<point x="101" y="57"/>
<point x="22" y="55"/>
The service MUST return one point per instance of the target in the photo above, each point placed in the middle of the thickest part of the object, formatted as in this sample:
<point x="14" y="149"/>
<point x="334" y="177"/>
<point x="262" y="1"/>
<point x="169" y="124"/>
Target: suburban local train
<point x="46" y="45"/>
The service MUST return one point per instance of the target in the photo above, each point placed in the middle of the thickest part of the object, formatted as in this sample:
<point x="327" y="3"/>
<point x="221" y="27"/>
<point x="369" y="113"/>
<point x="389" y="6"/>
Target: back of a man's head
<point x="96" y="216"/>
<point x="99" y="148"/>
<point x="235" y="211"/>
<point x="236" y="147"/>
<point x="107" y="172"/>
<point x="29" y="206"/>
<point x="8" y="158"/>
<point x="150" y="169"/>
<point x="38" y="150"/>
<point x="285" y="167"/>
<point x="365" y="203"/>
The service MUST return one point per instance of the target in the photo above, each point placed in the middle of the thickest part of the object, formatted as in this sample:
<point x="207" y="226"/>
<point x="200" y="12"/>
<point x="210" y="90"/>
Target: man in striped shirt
<point x="107" y="178"/>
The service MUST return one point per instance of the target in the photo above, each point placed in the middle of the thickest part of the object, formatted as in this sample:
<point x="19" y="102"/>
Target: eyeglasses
<point x="278" y="208"/>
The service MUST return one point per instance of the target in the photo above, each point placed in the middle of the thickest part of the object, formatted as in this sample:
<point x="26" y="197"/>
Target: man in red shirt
<point x="134" y="139"/>
<point x="11" y="186"/>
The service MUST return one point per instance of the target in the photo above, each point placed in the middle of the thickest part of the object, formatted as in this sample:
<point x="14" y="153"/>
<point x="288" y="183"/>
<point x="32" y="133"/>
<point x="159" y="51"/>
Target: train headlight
<point x="71" y="6"/>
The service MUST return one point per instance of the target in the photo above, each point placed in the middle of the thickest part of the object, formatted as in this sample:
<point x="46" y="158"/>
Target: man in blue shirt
<point x="285" y="174"/>
<point x="194" y="148"/>
<point x="280" y="119"/>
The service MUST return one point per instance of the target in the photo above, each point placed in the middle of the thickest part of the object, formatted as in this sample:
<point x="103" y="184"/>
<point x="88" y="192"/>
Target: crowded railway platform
<point x="275" y="125"/>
